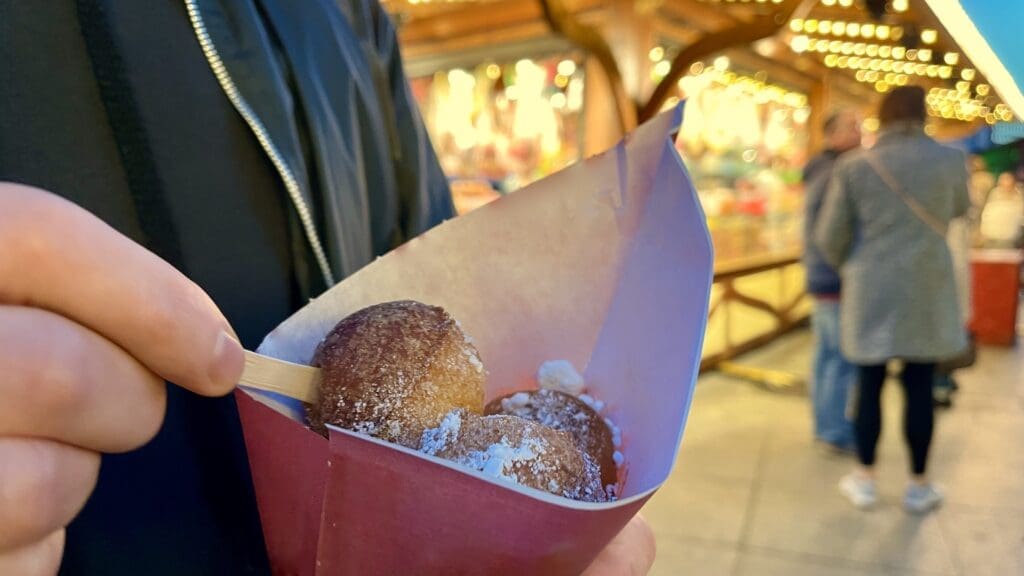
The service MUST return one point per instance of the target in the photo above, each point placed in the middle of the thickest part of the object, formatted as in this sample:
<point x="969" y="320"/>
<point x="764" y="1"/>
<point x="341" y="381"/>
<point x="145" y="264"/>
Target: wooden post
<point x="819" y="103"/>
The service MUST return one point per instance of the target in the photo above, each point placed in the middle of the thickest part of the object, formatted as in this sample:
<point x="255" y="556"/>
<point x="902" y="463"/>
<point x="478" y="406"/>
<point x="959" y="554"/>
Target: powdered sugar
<point x="595" y="404"/>
<point x="473" y="358"/>
<point x="393" y="370"/>
<point x="616" y="432"/>
<point x="515" y="401"/>
<point x="573" y="415"/>
<point x="437" y="439"/>
<point x="560" y="375"/>
<point x="500" y="460"/>
<point x="516" y="450"/>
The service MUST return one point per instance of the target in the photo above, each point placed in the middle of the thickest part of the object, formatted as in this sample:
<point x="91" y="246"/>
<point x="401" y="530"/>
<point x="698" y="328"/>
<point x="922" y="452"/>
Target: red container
<point x="995" y="288"/>
<point x="607" y="264"/>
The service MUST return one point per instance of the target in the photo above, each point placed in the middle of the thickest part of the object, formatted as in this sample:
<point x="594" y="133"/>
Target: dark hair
<point x="904" y="103"/>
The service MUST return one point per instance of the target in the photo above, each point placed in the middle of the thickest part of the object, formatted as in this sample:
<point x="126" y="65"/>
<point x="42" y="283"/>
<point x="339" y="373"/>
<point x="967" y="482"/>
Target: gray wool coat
<point x="899" y="296"/>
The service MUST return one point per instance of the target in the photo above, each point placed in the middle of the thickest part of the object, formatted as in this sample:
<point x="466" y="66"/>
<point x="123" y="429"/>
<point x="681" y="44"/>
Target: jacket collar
<point x="900" y="129"/>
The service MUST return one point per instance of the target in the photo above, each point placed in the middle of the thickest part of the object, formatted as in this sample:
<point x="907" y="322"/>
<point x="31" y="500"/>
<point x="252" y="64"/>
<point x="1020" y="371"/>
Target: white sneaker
<point x="920" y="499"/>
<point x="858" y="490"/>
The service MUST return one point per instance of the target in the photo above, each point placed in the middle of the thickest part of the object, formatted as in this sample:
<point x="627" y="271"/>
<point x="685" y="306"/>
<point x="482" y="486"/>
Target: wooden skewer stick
<point x="292" y="380"/>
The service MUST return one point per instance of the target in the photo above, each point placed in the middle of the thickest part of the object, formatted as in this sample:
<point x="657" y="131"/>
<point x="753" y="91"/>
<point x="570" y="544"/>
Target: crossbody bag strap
<point x="129" y="129"/>
<point x="892" y="184"/>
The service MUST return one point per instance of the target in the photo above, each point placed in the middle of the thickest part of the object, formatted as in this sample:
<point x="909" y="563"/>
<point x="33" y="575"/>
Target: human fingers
<point x="39" y="558"/>
<point x="59" y="257"/>
<point x="64" y="382"/>
<point x="43" y="485"/>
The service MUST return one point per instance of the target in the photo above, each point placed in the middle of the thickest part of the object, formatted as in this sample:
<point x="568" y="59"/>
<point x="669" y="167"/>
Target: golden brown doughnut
<point x="566" y="413"/>
<point x="395" y="369"/>
<point x="518" y="450"/>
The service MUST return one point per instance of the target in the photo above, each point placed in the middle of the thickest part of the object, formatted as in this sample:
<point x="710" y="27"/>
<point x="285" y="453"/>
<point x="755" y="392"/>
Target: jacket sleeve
<point x="425" y="196"/>
<point x="833" y="232"/>
<point x="814" y="192"/>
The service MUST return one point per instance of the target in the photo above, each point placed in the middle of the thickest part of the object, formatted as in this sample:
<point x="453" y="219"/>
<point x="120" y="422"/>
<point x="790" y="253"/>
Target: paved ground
<point x="750" y="494"/>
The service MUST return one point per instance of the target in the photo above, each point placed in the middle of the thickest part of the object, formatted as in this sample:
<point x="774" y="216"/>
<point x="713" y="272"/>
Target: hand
<point x="631" y="553"/>
<point x="91" y="324"/>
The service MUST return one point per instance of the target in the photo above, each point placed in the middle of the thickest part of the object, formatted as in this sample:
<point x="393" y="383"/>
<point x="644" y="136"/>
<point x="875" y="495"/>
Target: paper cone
<point x="607" y="264"/>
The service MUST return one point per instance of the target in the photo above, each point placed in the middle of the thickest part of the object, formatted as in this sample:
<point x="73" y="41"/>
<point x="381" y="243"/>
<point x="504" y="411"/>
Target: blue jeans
<point x="833" y="379"/>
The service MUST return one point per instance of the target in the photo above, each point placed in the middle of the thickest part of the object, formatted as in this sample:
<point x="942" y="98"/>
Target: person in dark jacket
<point x="833" y="376"/>
<point x="210" y="166"/>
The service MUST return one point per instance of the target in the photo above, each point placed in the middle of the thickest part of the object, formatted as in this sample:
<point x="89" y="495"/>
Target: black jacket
<point x="822" y="279"/>
<point x="114" y="105"/>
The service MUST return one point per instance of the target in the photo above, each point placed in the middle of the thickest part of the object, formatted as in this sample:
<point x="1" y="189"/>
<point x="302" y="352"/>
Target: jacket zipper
<point x="260" y="131"/>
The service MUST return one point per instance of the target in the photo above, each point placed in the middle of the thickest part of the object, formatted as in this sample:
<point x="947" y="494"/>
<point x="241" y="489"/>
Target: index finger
<point x="56" y="256"/>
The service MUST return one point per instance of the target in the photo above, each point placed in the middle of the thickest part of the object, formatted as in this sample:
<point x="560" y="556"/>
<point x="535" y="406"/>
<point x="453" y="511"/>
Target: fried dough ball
<point x="394" y="370"/>
<point x="518" y="450"/>
<point x="569" y="414"/>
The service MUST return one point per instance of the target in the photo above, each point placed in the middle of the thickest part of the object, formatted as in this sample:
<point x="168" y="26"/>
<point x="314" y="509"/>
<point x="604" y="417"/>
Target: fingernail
<point x="228" y="361"/>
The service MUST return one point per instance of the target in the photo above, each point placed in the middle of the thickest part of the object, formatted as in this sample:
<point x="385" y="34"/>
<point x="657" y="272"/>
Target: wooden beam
<point x="531" y="40"/>
<point x="760" y="27"/>
<point x="471" y="19"/>
<point x="755" y="264"/>
<point x="778" y="71"/>
<point x="589" y="39"/>
<point x="698" y="14"/>
<point x="709" y="362"/>
<point x="676" y="32"/>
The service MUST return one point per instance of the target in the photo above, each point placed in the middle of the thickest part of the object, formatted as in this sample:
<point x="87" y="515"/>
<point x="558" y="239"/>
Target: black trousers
<point x="918" y="414"/>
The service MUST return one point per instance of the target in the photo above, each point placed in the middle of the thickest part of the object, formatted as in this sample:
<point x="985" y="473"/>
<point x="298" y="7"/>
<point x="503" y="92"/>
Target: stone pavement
<point x="752" y="495"/>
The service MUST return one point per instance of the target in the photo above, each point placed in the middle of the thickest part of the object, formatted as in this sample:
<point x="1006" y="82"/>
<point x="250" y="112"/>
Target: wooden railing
<point x="745" y="294"/>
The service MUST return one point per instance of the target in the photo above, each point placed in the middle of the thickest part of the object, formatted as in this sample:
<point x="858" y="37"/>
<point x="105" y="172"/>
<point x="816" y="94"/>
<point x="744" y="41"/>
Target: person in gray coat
<point x="883" y="226"/>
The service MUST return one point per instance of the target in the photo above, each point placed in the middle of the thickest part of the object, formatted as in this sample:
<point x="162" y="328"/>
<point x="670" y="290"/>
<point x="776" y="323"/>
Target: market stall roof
<point x="989" y="32"/>
<point x="864" y="47"/>
<point x="886" y="43"/>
